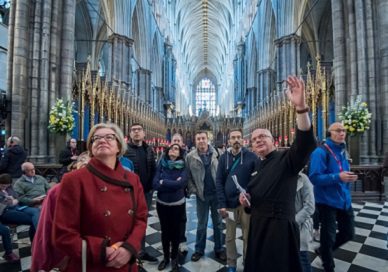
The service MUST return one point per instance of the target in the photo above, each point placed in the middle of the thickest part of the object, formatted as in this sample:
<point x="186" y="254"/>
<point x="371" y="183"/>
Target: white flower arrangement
<point x="61" y="117"/>
<point x="356" y="117"/>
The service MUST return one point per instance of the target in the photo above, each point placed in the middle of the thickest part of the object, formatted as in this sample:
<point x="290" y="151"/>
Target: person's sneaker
<point x="231" y="269"/>
<point x="316" y="236"/>
<point x="12" y="257"/>
<point x="196" y="256"/>
<point x="183" y="248"/>
<point x="147" y="257"/>
<point x="221" y="255"/>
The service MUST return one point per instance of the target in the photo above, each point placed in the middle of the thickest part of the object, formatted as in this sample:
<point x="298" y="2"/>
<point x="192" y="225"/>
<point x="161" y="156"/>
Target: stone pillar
<point x="288" y="60"/>
<point x="17" y="67"/>
<point x="266" y="83"/>
<point x="144" y="84"/>
<point x="382" y="71"/>
<point x="358" y="33"/>
<point x="121" y="51"/>
<point x="40" y="69"/>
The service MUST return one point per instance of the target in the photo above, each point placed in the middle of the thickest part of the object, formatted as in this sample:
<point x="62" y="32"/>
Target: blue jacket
<point x="324" y="174"/>
<point x="171" y="190"/>
<point x="227" y="193"/>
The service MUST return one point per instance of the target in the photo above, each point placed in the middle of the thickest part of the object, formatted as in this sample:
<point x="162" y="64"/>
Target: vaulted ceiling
<point x="204" y="32"/>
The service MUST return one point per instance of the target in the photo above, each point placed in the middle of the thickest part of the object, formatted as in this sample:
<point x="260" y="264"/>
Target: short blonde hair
<point x="119" y="137"/>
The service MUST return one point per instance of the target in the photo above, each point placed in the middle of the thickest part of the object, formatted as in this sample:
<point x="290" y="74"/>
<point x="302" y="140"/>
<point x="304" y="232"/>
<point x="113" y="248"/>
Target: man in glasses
<point x="143" y="159"/>
<point x="329" y="171"/>
<point x="273" y="240"/>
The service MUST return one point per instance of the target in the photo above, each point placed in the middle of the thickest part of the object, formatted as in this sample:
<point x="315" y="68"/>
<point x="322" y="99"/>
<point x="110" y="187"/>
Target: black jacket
<point x="150" y="163"/>
<point x="11" y="162"/>
<point x="65" y="156"/>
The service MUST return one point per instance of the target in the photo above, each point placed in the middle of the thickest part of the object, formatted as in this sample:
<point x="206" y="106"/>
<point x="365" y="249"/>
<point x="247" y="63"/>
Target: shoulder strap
<point x="107" y="179"/>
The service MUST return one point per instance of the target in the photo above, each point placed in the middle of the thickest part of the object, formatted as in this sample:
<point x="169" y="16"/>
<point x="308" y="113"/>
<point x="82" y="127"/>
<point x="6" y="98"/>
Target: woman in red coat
<point x="102" y="204"/>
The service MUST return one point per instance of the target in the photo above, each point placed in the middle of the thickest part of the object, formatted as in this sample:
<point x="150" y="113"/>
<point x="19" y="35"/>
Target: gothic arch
<point x="84" y="33"/>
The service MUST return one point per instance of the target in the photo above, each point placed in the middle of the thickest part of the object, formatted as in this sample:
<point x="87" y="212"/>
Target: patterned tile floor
<point x="367" y="252"/>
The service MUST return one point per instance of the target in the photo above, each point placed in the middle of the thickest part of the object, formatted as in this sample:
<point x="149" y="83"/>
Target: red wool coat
<point x="102" y="213"/>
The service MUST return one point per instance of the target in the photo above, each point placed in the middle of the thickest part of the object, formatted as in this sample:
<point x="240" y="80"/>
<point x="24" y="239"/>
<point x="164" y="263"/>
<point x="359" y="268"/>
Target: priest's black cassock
<point x="273" y="241"/>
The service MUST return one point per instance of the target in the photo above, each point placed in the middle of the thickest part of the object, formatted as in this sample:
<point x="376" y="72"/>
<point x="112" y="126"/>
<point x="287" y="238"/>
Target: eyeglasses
<point x="339" y="130"/>
<point x="174" y="148"/>
<point x="136" y="129"/>
<point x="106" y="137"/>
<point x="260" y="137"/>
<point x="29" y="170"/>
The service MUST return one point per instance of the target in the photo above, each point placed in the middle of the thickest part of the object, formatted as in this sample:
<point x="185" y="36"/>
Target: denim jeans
<point x="304" y="261"/>
<point x="148" y="198"/>
<point x="330" y="240"/>
<point x="202" y="216"/>
<point x="6" y="238"/>
<point x="27" y="216"/>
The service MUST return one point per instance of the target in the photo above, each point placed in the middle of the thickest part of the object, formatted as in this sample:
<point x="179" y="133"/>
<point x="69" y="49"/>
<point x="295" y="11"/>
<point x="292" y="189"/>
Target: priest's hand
<point x="296" y="92"/>
<point x="244" y="199"/>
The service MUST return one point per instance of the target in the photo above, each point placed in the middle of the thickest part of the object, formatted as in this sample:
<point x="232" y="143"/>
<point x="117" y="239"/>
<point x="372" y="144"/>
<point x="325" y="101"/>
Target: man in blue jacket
<point x="329" y="172"/>
<point x="240" y="162"/>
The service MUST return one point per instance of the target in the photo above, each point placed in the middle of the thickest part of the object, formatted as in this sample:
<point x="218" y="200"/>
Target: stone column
<point x="288" y="60"/>
<point x="40" y="69"/>
<point x="266" y="83"/>
<point x="382" y="71"/>
<point x="144" y="84"/>
<point x="17" y="67"/>
<point x="339" y="44"/>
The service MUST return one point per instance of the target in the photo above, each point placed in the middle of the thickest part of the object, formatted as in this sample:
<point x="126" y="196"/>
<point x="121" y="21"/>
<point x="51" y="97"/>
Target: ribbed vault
<point x="204" y="32"/>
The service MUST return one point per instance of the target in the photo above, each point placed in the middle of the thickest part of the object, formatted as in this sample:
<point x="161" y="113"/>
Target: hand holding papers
<point x="243" y="194"/>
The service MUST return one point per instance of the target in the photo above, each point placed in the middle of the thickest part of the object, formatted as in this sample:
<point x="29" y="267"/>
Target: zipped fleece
<point x="196" y="171"/>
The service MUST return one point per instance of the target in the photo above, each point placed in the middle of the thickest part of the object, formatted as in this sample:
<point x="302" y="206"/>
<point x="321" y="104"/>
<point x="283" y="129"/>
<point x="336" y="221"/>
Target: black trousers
<point x="330" y="240"/>
<point x="171" y="220"/>
<point x="183" y="227"/>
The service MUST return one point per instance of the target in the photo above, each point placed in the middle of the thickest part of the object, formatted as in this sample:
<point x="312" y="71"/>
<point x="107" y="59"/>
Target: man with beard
<point x="273" y="241"/>
<point x="240" y="162"/>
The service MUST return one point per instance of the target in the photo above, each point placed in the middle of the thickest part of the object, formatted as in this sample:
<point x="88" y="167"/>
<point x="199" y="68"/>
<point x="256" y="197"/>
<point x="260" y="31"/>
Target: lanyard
<point x="334" y="156"/>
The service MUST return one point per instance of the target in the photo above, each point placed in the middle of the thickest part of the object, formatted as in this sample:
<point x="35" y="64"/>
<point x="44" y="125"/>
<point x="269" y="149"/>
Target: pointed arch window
<point x="205" y="97"/>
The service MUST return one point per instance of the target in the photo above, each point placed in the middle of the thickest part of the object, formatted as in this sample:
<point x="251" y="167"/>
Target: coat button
<point x="127" y="189"/>
<point x="104" y="189"/>
<point x="130" y="212"/>
<point x="107" y="213"/>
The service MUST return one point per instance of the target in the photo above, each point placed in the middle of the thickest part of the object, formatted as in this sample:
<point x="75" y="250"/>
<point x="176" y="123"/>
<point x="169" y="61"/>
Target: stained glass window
<point x="205" y="97"/>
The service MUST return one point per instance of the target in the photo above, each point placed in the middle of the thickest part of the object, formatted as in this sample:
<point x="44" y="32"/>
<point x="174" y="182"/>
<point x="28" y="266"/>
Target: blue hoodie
<point x="324" y="174"/>
<point x="227" y="193"/>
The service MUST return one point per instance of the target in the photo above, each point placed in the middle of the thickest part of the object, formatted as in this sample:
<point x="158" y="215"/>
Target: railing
<point x="52" y="172"/>
<point x="370" y="183"/>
